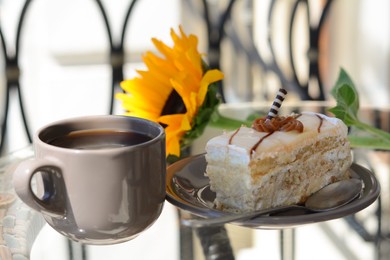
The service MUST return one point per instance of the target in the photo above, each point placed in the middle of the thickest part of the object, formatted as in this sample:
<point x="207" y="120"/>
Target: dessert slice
<point x="279" y="161"/>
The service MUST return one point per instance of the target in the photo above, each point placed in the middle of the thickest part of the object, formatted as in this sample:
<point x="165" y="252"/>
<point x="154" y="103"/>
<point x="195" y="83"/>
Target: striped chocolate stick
<point x="273" y="112"/>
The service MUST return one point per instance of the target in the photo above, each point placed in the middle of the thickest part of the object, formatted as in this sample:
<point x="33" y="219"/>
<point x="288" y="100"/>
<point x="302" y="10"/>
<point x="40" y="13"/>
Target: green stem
<point x="220" y="121"/>
<point x="368" y="142"/>
<point x="385" y="136"/>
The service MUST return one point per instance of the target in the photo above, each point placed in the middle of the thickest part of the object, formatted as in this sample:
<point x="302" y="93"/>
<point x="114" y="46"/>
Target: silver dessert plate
<point x="188" y="189"/>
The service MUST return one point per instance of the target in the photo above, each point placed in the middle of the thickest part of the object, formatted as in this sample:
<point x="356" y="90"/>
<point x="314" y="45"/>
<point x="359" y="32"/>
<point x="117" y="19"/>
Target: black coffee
<point x="99" y="139"/>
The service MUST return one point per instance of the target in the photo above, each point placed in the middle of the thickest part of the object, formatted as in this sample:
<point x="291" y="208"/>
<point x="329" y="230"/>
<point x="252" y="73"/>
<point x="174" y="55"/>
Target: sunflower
<point x="177" y="90"/>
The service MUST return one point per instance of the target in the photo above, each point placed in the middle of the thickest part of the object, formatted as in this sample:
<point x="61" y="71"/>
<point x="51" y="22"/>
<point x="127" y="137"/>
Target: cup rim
<point x="40" y="131"/>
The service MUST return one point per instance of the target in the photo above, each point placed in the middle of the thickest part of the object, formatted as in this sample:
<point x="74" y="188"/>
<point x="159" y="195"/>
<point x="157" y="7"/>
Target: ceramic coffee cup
<point x="98" y="179"/>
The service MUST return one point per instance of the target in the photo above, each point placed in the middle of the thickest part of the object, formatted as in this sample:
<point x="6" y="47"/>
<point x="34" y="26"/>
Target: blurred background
<point x="65" y="58"/>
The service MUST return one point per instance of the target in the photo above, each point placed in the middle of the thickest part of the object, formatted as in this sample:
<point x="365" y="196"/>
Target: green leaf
<point x="347" y="109"/>
<point x="342" y="113"/>
<point x="203" y="116"/>
<point x="347" y="99"/>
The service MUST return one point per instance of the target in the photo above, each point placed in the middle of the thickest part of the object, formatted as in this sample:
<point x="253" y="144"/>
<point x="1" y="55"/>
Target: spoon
<point x="330" y="197"/>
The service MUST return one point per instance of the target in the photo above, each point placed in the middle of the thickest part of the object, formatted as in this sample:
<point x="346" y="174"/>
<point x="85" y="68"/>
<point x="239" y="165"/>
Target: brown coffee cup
<point x="98" y="179"/>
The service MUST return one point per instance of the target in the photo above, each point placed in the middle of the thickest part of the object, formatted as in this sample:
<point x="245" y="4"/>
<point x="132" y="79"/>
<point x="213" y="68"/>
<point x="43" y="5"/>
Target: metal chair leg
<point x="287" y="244"/>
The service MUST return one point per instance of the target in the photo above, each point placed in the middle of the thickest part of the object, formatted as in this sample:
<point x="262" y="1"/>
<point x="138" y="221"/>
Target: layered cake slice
<point x="278" y="161"/>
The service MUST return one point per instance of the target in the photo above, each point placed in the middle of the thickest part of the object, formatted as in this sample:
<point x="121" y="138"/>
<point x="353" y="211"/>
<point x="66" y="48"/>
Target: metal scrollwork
<point x="12" y="74"/>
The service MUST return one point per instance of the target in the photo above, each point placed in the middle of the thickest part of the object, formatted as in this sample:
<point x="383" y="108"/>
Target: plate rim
<point x="370" y="194"/>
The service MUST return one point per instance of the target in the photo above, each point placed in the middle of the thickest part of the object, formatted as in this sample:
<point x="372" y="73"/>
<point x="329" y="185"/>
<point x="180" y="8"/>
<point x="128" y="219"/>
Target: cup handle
<point x="53" y="199"/>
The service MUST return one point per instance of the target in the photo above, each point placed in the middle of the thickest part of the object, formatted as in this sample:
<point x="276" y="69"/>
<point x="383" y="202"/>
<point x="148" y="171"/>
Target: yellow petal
<point x="211" y="76"/>
<point x="177" y="126"/>
<point x="176" y="122"/>
<point x="172" y="146"/>
<point x="145" y="89"/>
<point x="152" y="62"/>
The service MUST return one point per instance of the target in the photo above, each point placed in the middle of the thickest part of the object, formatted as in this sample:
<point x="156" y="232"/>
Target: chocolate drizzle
<point x="260" y="141"/>
<point x="232" y="136"/>
<point x="321" y="121"/>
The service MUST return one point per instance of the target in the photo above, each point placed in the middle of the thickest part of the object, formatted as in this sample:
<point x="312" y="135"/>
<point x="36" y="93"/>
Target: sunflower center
<point x="174" y="105"/>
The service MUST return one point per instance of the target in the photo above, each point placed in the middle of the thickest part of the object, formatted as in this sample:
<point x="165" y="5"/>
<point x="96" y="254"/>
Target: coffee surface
<point x="99" y="139"/>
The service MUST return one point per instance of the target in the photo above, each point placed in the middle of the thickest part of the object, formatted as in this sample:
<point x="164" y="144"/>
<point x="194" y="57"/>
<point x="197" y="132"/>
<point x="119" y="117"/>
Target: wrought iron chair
<point x="219" y="22"/>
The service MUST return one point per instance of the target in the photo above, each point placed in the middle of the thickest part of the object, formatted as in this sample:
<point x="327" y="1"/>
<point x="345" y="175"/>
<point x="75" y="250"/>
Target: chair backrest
<point x="246" y="50"/>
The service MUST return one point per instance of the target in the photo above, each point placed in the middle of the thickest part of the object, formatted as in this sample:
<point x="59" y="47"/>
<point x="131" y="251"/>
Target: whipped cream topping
<point x="250" y="141"/>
